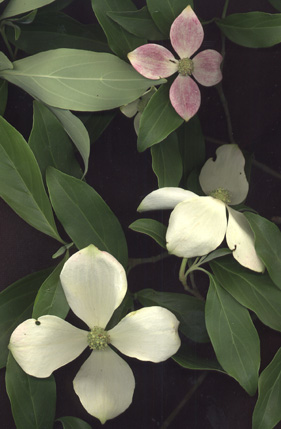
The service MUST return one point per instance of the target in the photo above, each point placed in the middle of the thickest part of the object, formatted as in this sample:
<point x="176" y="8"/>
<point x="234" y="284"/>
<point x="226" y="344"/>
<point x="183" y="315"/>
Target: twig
<point x="184" y="401"/>
<point x="133" y="262"/>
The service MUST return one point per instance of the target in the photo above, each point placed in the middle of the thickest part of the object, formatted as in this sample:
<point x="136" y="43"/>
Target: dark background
<point x="123" y="177"/>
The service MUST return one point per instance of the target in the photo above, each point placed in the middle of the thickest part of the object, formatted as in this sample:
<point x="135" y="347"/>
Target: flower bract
<point x="155" y="61"/>
<point x="198" y="224"/>
<point x="95" y="284"/>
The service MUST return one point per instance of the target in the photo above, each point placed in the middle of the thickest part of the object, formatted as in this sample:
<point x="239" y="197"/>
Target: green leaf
<point x="188" y="357"/>
<point x="267" y="412"/>
<point x="267" y="244"/>
<point x="73" y="423"/>
<point x="137" y="22"/>
<point x="50" y="143"/>
<point x="85" y="216"/>
<point x="193" y="183"/>
<point x="16" y="303"/>
<point x="252" y="29"/>
<point x="96" y="123"/>
<point x="3" y="96"/>
<point x="234" y="337"/>
<point x="56" y="30"/>
<point x="17" y="7"/>
<point x="192" y="146"/>
<point x="255" y="291"/>
<point x="218" y="253"/>
<point x="276" y="4"/>
<point x="152" y="228"/>
<point x="158" y="120"/>
<point x="124" y="308"/>
<point x="21" y="184"/>
<point x="164" y="12"/>
<point x="167" y="162"/>
<point x="77" y="131"/>
<point x="120" y="41"/>
<point x="33" y="400"/>
<point x="58" y="5"/>
<point x="188" y="310"/>
<point x="78" y="80"/>
<point x="5" y="63"/>
<point x="50" y="298"/>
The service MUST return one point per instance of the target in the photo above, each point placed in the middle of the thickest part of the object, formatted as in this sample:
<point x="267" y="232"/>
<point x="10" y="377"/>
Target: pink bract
<point x="154" y="62"/>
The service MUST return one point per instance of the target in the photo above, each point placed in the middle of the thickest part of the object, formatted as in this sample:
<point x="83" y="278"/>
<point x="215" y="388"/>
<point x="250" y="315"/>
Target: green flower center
<point x="185" y="67"/>
<point x="98" y="338"/>
<point x="221" y="194"/>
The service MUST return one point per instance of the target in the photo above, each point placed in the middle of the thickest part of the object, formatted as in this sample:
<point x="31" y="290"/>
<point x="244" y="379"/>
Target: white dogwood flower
<point x="198" y="224"/>
<point x="95" y="284"/>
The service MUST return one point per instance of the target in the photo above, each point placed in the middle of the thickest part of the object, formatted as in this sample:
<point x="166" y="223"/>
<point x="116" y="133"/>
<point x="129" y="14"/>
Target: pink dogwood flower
<point x="155" y="62"/>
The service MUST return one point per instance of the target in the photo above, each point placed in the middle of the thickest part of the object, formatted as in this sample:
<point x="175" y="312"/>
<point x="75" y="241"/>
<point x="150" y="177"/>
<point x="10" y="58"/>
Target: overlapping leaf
<point x="152" y="228"/>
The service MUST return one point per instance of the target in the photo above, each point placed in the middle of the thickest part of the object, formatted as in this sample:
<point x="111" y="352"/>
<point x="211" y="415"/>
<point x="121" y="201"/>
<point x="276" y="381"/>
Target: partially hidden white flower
<point x="95" y="284"/>
<point x="136" y="107"/>
<point x="198" y="224"/>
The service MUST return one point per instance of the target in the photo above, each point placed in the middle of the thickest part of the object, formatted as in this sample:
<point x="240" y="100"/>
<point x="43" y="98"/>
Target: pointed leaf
<point x="119" y="40"/>
<point x="50" y="298"/>
<point x="85" y="216"/>
<point x="158" y="120"/>
<point x="188" y="310"/>
<point x="267" y="412"/>
<point x="252" y="29"/>
<point x="276" y="4"/>
<point x="152" y="228"/>
<point x="188" y="357"/>
<point x="21" y="184"/>
<point x="17" y="7"/>
<point x="253" y="290"/>
<point x="58" y="5"/>
<point x="218" y="253"/>
<point x="267" y="244"/>
<point x="16" y="303"/>
<point x="167" y="162"/>
<point x="80" y="80"/>
<point x="234" y="337"/>
<point x="50" y="143"/>
<point x="137" y="22"/>
<point x="164" y="12"/>
<point x="192" y="146"/>
<point x="3" y="96"/>
<point x="33" y="400"/>
<point x="77" y="131"/>
<point x="97" y="122"/>
<point x="73" y="423"/>
<point x="5" y="63"/>
<point x="54" y="30"/>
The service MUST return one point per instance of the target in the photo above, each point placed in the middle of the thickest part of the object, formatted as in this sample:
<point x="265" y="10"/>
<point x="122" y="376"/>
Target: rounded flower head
<point x="155" y="62"/>
<point x="198" y="225"/>
<point x="95" y="284"/>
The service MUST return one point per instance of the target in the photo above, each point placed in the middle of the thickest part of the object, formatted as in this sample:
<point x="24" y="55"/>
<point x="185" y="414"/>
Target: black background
<point x="123" y="177"/>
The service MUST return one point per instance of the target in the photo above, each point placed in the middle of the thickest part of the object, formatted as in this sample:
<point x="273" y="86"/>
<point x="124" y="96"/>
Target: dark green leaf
<point x="167" y="162"/>
<point x="267" y="244"/>
<point x="50" y="298"/>
<point x="188" y="357"/>
<point x="58" y="5"/>
<point x="255" y="291"/>
<point x="21" y="184"/>
<point x="124" y="308"/>
<point x="188" y="310"/>
<point x="85" y="216"/>
<point x="192" y="146"/>
<point x="33" y="400"/>
<point x="3" y="96"/>
<point x="267" y="412"/>
<point x="50" y="143"/>
<point x="218" y="253"/>
<point x="158" y="120"/>
<point x="152" y="228"/>
<point x="120" y="41"/>
<point x="276" y="4"/>
<point x="16" y="303"/>
<point x="252" y="29"/>
<point x="97" y="122"/>
<point x="193" y="183"/>
<point x="79" y="80"/>
<point x="164" y="12"/>
<point x="25" y="19"/>
<point x="73" y="423"/>
<point x="5" y="63"/>
<point x="137" y="22"/>
<point x="56" y="30"/>
<point x="234" y="337"/>
<point x="17" y="7"/>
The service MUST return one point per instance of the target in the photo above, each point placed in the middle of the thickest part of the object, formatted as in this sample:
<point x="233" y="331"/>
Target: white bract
<point x="197" y="224"/>
<point x="95" y="284"/>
